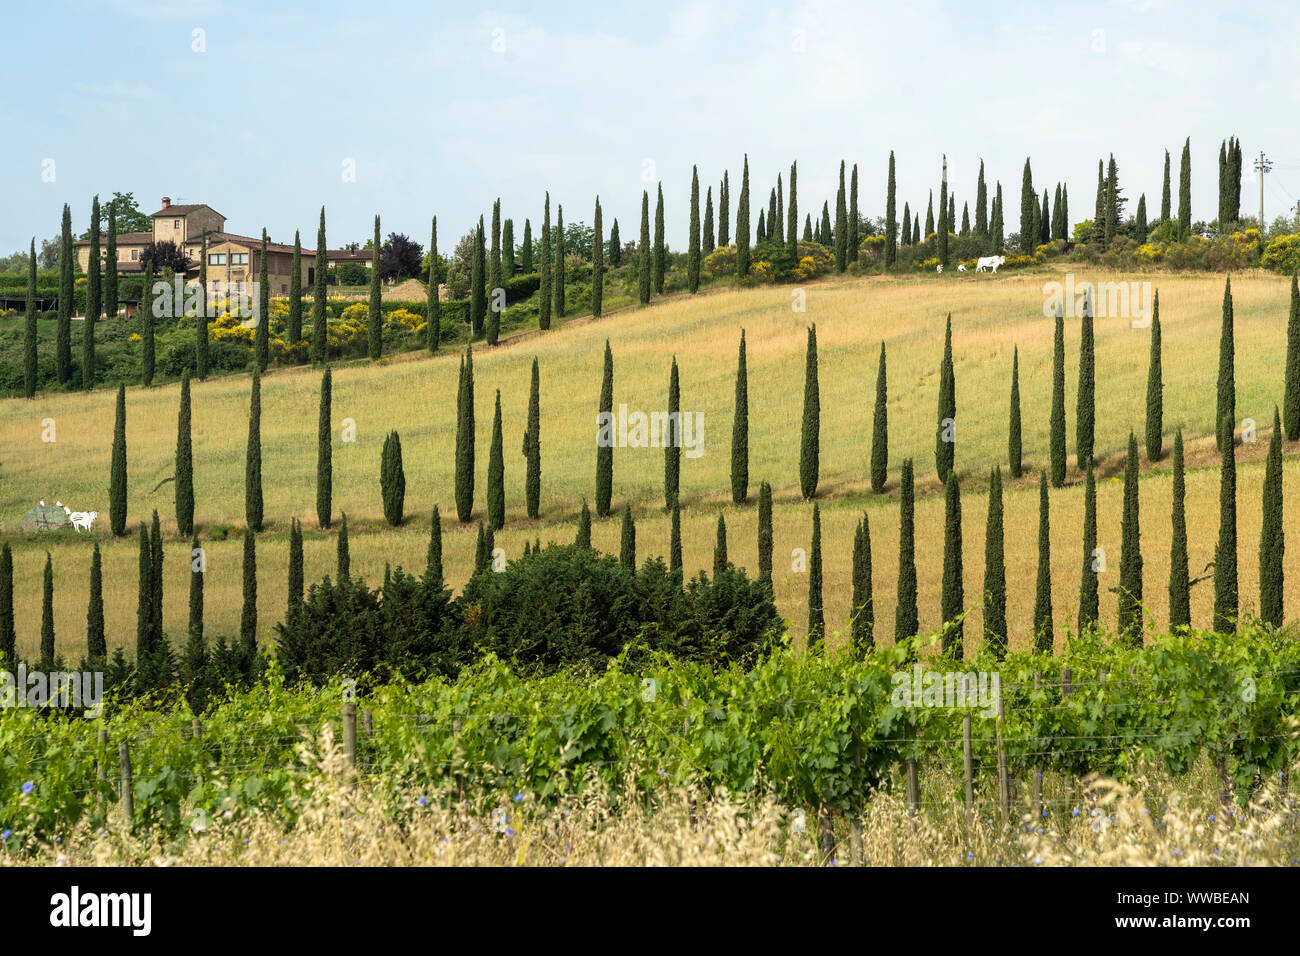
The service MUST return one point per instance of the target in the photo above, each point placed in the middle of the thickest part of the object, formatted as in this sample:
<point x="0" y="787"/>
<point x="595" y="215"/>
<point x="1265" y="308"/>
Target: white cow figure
<point x="81" y="520"/>
<point x="989" y="263"/>
<point x="961" y="267"/>
<point x="939" y="267"/>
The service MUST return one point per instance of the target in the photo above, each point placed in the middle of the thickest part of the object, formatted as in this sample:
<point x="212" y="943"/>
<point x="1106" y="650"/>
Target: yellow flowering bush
<point x="1282" y="253"/>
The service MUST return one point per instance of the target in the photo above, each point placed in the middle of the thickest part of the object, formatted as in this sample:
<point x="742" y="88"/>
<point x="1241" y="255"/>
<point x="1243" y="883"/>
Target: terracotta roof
<point x="123" y="238"/>
<point x="175" y="210"/>
<point x="252" y="242"/>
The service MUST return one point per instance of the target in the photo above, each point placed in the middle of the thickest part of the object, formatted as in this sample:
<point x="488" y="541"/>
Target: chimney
<point x="167" y="201"/>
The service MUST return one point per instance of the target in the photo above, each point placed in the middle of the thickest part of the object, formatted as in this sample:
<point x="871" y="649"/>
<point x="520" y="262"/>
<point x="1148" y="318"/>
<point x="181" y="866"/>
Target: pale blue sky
<point x="260" y="124"/>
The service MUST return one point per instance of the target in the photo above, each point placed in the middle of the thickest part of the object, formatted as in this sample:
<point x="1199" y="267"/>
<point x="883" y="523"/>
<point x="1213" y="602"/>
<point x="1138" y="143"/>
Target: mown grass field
<point x="416" y="395"/>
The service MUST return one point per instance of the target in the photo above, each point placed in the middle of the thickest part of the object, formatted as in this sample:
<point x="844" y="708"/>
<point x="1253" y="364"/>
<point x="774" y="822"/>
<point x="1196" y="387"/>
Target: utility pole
<point x="1262" y="166"/>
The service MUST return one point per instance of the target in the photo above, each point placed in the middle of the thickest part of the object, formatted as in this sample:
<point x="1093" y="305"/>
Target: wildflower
<point x="510" y="831"/>
<point x="519" y="797"/>
<point x="6" y="835"/>
<point x="421" y="802"/>
<point x="28" y="787"/>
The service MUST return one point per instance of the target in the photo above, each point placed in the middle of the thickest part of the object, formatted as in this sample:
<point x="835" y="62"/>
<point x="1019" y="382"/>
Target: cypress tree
<point x="583" y="540"/>
<point x="774" y="214"/>
<point x="605" y="450"/>
<point x="144" y="599"/>
<point x="1227" y="387"/>
<point x="1086" y="401"/>
<point x="981" y="205"/>
<point x="117" y="472"/>
<point x="1180" y="600"/>
<point x="1099" y="208"/>
<point x="533" y="447"/>
<point x="929" y="218"/>
<point x="110" y="265"/>
<point x="392" y="479"/>
<point x="465" y="438"/>
<point x="1165" y="209"/>
<point x="261" y="332"/>
<point x="1222" y="217"/>
<point x="965" y="219"/>
<point x="1088" y="597"/>
<point x="995" y="571"/>
<point x="863" y="626"/>
<point x="201" y="319"/>
<point x="96" y="646"/>
<point x="295" y="588"/>
<point x="660" y="250"/>
<point x="526" y="250"/>
<point x="742" y="225"/>
<point x="999" y="220"/>
<point x="1013" y="430"/>
<point x="816" y="605"/>
<point x="319" y="344"/>
<point x="945" y="445"/>
<point x="1044" y="635"/>
<point x="67" y="271"/>
<point x="1044" y="221"/>
<point x="1185" y="192"/>
<point x="483" y="549"/>
<point x="93" y="303"/>
<point x="764" y="533"/>
<point x="324" y="455"/>
<point x="47" y="613"/>
<point x="147" y="341"/>
<point x="708" y="239"/>
<point x="557" y="273"/>
<point x="1271" y="538"/>
<point x="724" y="204"/>
<point x="196" y="592"/>
<point x="1057" y="424"/>
<point x="841" y="226"/>
<point x="184" y="462"/>
<point x="674" y="540"/>
<point x="8" y="637"/>
<point x="1065" y="212"/>
<point x="760" y="233"/>
<point x="792" y="215"/>
<point x="891" y="217"/>
<point x="1225" y="554"/>
<point x="253" y="458"/>
<point x="693" y="244"/>
<point x="433" y="563"/>
<point x="495" y="273"/>
<point x="433" y="309"/>
<point x="672" y="443"/>
<point x="627" y="544"/>
<point x="344" y="558"/>
<point x="1028" y="211"/>
<point x="375" y="317"/>
<point x="1057" y="228"/>
<point x="1130" y="561"/>
<point x="719" y="547"/>
<point x="1155" y="390"/>
<point x="155" y="582"/>
<point x="597" y="264"/>
<point x="740" y="430"/>
<point x="496" y="477"/>
<point x="477" y="294"/>
<point x="248" y="616"/>
<point x="880" y="429"/>
<point x="1291" y="399"/>
<point x="953" y="596"/>
<point x="945" y="223"/>
<point x="1140" y="220"/>
<point x="906" y="621"/>
<point x="810" y="437"/>
<point x="853" y="215"/>
<point x="643" y="252"/>
<point x="29" y="332"/>
<point x="1112" y="200"/>
<point x="907" y="225"/>
<point x="807" y="229"/>
<point x="294" y="331"/>
<point x="507" y="248"/>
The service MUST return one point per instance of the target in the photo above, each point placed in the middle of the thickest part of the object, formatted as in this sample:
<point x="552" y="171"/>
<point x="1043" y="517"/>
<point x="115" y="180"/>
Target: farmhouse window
<point x="239" y="258"/>
<point x="216" y="258"/>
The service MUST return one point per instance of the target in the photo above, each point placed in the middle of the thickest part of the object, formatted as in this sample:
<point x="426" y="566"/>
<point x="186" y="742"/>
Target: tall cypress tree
<point x="764" y="533"/>
<point x="674" y="539"/>
<point x="184" y="462"/>
<point x="96" y="645"/>
<point x="110" y="265"/>
<point x="719" y="547"/>
<point x="392" y="479"/>
<point x="483" y="549"/>
<point x="319" y="345"/>
<point x="1225" y="553"/>
<point x="117" y="472"/>
<point x="294" y="331"/>
<point x="1272" y="537"/>
<point x="375" y="315"/>
<point x="93" y="302"/>
<point x="1057" y="423"/>
<point x="880" y="429"/>
<point x="47" y="614"/>
<point x="8" y="637"/>
<point x="981" y="205"/>
<point x="1014" y="450"/>
<point x="953" y="596"/>
<point x="433" y="563"/>
<point x="906" y="619"/>
<point x="816" y="604"/>
<point x="1130" y="561"/>
<point x="1155" y="390"/>
<point x="1044" y="635"/>
<point x="248" y="615"/>
<point x="810" y="436"/>
<point x="740" y="430"/>
<point x="533" y="447"/>
<point x="627" y="543"/>
<point x="998" y="223"/>
<point x="724" y="205"/>
<point x="295" y="585"/>
<point x="477" y="294"/>
<point x="344" y="556"/>
<point x="643" y="252"/>
<point x="945" y="444"/>
<point x="147" y="340"/>
<point x="1165" y="208"/>
<point x="841" y="225"/>
<point x="1185" y="192"/>
<point x="465" y="438"/>
<point x="1086" y="401"/>
<point x="29" y="328"/>
<point x="660" y="250"/>
<point x="253" y="458"/>
<point x="672" y="440"/>
<point x="433" y="308"/>
<point x="583" y="540"/>
<point x="324" y="454"/>
<point x="1291" y="399"/>
<point x="67" y="272"/>
<point x="144" y="599"/>
<point x="155" y="582"/>
<point x="1112" y="200"/>
<point x="891" y="217"/>
<point x="1028" y="211"/>
<point x="742" y="225"/>
<point x="965" y="219"/>
<point x="995" y="571"/>
<point x="853" y="215"/>
<point x="1100" y="206"/>
<point x="197" y="570"/>
<point x="496" y="477"/>
<point x="1044" y="221"/>
<point x="1088" y="596"/>
<point x="929" y="218"/>
<point x="261" y="333"/>
<point x="1226" y="410"/>
<point x="557" y="274"/>
<point x="792" y="215"/>
<point x="693" y="243"/>
<point x="945" y="223"/>
<point x="1140" y="220"/>
<point x="597" y="264"/>
<point x="526" y="251"/>
<point x="605" y="450"/>
<point x="1180" y="600"/>
<point x="496" y="271"/>
<point x="907" y="225"/>
<point x="708" y="241"/>
<point x="862" y="630"/>
<point x="201" y="318"/>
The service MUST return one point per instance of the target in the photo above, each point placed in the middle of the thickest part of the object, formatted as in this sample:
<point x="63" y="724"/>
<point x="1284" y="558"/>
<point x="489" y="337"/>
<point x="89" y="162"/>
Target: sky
<point x="268" y="110"/>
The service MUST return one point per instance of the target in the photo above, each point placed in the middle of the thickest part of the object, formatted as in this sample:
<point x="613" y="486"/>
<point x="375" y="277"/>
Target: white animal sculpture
<point x="939" y="267"/>
<point x="83" y="520"/>
<point x="961" y="267"/>
<point x="989" y="263"/>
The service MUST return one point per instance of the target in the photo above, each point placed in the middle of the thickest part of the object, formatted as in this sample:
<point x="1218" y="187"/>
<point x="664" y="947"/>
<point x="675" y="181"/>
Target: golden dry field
<point x="415" y="394"/>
